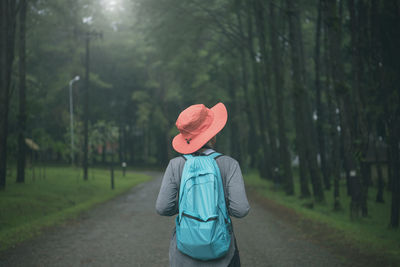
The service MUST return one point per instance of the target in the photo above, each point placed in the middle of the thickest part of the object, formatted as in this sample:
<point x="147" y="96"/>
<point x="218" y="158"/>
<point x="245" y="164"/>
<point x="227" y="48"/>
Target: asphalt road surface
<point x="127" y="231"/>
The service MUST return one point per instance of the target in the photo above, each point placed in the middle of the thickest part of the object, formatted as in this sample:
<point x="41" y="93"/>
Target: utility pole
<point x="71" y="113"/>
<point x="88" y="36"/>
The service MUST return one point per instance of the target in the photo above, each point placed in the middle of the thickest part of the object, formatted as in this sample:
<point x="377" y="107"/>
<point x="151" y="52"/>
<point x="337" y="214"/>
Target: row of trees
<point x="9" y="16"/>
<point x="52" y="38"/>
<point x="316" y="79"/>
<point x="310" y="81"/>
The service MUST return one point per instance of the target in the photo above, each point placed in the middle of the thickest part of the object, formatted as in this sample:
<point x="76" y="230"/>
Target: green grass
<point x="370" y="235"/>
<point x="26" y="209"/>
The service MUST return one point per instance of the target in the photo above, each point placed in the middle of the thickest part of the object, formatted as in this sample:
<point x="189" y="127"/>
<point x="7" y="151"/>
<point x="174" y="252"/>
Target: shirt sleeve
<point x="166" y="204"/>
<point x="238" y="203"/>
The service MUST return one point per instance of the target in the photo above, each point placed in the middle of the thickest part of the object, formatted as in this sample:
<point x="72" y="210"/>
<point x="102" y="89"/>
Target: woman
<point x="198" y="126"/>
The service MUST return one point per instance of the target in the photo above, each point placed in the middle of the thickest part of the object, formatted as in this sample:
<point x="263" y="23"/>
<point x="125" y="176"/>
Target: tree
<point x="245" y="84"/>
<point x="8" y="13"/>
<point x="332" y="59"/>
<point x="319" y="109"/>
<point x="259" y="14"/>
<point x="302" y="118"/>
<point x="279" y="84"/>
<point x="264" y="154"/>
<point x="22" y="93"/>
<point x="389" y="20"/>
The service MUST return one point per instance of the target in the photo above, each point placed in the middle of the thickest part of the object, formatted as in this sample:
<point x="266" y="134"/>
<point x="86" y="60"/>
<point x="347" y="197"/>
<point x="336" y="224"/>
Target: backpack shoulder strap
<point x="214" y="155"/>
<point x="187" y="156"/>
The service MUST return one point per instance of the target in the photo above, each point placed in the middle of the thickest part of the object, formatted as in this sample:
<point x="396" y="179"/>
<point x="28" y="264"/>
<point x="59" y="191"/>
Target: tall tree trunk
<point x="334" y="124"/>
<point x="259" y="11"/>
<point x="345" y="151"/>
<point x="333" y="130"/>
<point x="303" y="122"/>
<point x="346" y="107"/>
<point x="354" y="132"/>
<point x="395" y="164"/>
<point x="359" y="133"/>
<point x="22" y="94"/>
<point x="389" y="20"/>
<point x="320" y="110"/>
<point x="253" y="135"/>
<point x="376" y="61"/>
<point x="3" y="93"/>
<point x="381" y="184"/>
<point x="7" y="38"/>
<point x="336" y="169"/>
<point x="264" y="162"/>
<point x="234" y="133"/>
<point x="285" y="161"/>
<point x="297" y="91"/>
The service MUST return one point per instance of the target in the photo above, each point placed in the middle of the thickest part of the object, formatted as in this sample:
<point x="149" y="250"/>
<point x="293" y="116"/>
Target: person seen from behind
<point x="203" y="188"/>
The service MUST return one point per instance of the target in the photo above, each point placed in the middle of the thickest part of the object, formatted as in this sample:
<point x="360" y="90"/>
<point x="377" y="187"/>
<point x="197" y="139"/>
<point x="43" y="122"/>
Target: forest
<point x="312" y="88"/>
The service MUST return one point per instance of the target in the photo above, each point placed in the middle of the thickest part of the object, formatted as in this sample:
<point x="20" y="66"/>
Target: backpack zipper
<point x="198" y="219"/>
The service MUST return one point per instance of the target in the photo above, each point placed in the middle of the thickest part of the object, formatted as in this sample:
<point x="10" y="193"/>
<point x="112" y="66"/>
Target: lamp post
<point x="71" y="112"/>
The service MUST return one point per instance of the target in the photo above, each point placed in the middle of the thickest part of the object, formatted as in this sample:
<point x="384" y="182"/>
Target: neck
<point x="202" y="150"/>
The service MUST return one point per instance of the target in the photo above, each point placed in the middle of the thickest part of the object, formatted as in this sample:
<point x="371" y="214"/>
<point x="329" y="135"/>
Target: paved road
<point x="126" y="231"/>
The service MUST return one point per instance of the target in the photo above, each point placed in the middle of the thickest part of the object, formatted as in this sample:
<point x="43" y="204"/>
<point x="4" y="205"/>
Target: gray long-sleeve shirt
<point x="167" y="204"/>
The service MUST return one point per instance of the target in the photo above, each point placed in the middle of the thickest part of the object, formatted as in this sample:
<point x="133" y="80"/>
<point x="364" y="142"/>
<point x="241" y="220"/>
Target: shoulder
<point x="177" y="160"/>
<point x="177" y="164"/>
<point x="226" y="160"/>
<point x="227" y="165"/>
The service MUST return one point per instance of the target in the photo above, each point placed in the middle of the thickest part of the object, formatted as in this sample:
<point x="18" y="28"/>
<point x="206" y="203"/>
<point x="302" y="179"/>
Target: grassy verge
<point x="25" y="209"/>
<point x="370" y="235"/>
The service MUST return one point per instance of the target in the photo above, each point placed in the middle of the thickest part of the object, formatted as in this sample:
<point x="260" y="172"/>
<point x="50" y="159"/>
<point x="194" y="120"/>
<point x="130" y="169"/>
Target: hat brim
<point x="220" y="118"/>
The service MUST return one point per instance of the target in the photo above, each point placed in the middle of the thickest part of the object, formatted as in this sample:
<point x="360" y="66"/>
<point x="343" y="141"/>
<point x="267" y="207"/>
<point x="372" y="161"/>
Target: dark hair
<point x="207" y="146"/>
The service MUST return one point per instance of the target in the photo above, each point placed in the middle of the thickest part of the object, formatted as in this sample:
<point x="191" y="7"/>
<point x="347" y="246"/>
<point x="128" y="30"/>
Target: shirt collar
<point x="208" y="151"/>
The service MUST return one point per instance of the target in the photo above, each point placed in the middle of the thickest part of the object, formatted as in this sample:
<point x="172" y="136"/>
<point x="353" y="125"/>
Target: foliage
<point x="156" y="58"/>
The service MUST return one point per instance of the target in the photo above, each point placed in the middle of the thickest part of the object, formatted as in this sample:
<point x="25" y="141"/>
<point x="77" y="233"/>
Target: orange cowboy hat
<point x="197" y="125"/>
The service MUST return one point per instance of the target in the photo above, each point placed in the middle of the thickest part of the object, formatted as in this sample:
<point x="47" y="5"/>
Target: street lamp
<point x="71" y="112"/>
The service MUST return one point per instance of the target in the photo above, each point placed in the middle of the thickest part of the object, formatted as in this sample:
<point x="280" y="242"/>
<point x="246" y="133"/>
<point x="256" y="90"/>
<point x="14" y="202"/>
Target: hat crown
<point x="194" y="120"/>
<point x="197" y="124"/>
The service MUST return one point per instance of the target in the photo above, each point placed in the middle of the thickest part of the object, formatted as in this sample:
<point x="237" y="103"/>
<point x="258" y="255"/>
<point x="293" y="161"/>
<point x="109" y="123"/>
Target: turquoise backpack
<point x="203" y="225"/>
